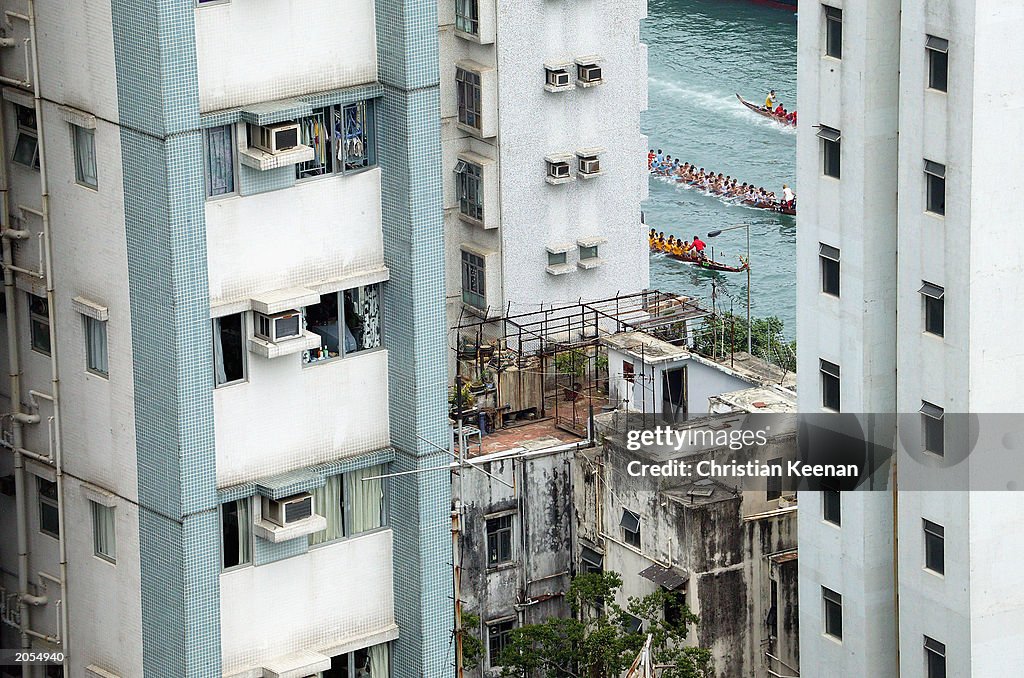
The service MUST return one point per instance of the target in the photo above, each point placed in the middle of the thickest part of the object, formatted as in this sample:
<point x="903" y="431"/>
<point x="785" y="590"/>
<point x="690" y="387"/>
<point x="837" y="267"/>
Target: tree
<point x="729" y="332"/>
<point x="599" y="640"/>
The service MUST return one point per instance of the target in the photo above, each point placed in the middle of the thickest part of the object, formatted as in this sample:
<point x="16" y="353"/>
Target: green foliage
<point x="766" y="338"/>
<point x="595" y="641"/>
<point x="467" y="396"/>
<point x="472" y="646"/>
<point x="572" y="362"/>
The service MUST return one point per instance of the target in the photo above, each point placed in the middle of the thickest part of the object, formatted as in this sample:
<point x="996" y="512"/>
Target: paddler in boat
<point x="650" y="160"/>
<point x="788" y="196"/>
<point x="661" y="241"/>
<point x="652" y="238"/>
<point x="698" y="247"/>
<point x="769" y="102"/>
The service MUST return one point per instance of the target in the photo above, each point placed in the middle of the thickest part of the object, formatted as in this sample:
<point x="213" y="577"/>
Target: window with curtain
<point x="347" y="322"/>
<point x="85" y="156"/>
<point x="236" y="532"/>
<point x="467" y="16"/>
<point x="228" y="350"/>
<point x="362" y="318"/>
<point x="219" y="160"/>
<point x="104" y="540"/>
<point x="368" y="662"/>
<point x="468" y="88"/>
<point x="366" y="498"/>
<point x="329" y="502"/>
<point x="96" y="346"/>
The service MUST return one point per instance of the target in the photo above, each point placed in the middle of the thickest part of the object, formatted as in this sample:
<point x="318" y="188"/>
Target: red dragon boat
<point x="761" y="110"/>
<point x="705" y="263"/>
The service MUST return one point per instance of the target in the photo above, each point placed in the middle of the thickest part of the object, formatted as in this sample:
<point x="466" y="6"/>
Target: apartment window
<point x="935" y="181"/>
<point x="497" y="639"/>
<point x="938" y="63"/>
<point x="829" y="258"/>
<point x="352" y="503"/>
<point x="934" y="547"/>
<point x="833" y="613"/>
<point x="368" y="662"/>
<point x="467" y="84"/>
<point x="467" y="16"/>
<point x="39" y="323"/>
<point x="228" y="350"/>
<point x="588" y="252"/>
<point x="830" y="151"/>
<point x="49" y="514"/>
<point x="934" y="658"/>
<point x="96" y="346"/>
<point x="933" y="428"/>
<point x="631" y="623"/>
<point x="499" y="540"/>
<point x="343" y="140"/>
<point x="84" y="141"/>
<point x="348" y="322"/>
<point x="219" y="160"/>
<point x="829" y="385"/>
<point x="774" y="482"/>
<point x="236" y="533"/>
<point x="934" y="308"/>
<point x="674" y="608"/>
<point x="833" y="32"/>
<point x="630" y="523"/>
<point x="469" y="184"/>
<point x="831" y="504"/>
<point x="628" y="372"/>
<point x="26" y="147"/>
<point x="591" y="562"/>
<point x="104" y="539"/>
<point x="473" y="292"/>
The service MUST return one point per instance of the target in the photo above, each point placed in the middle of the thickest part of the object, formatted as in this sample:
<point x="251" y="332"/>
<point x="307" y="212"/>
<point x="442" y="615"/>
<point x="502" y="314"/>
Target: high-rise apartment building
<point x="225" y="219"/>
<point x="908" y="251"/>
<point x="543" y="160"/>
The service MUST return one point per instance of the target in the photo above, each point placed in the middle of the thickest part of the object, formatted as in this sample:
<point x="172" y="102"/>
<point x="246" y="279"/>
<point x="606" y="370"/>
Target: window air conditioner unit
<point x="274" y="138"/>
<point x="590" y="73"/>
<point x="558" y="78"/>
<point x="284" y="512"/>
<point x="558" y="170"/>
<point x="590" y="165"/>
<point x="279" y="326"/>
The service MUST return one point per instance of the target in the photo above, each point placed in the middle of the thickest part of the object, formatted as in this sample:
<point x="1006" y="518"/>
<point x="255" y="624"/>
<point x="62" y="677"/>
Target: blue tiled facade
<point x="410" y="155"/>
<point x="161" y="137"/>
<point x="166" y="245"/>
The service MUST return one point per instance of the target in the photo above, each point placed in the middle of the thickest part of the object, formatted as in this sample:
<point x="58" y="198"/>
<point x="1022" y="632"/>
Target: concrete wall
<point x="288" y="48"/>
<point x="305" y="603"/>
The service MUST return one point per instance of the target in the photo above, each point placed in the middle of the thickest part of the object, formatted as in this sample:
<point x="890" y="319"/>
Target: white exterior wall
<point x="857" y="95"/>
<point x="337" y="593"/>
<point x="294" y="47"/>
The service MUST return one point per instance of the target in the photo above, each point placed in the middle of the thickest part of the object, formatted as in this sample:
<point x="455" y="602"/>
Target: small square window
<point x="934" y="658"/>
<point x="497" y="638"/>
<point x="630" y="523"/>
<point x="934" y="547"/>
<point x="831" y="505"/>
<point x="935" y="181"/>
<point x="557" y="258"/>
<point x="39" y="323"/>
<point x="588" y="252"/>
<point x="96" y="346"/>
<point x="103" y="531"/>
<point x="933" y="298"/>
<point x="591" y="562"/>
<point x="84" y="141"/>
<point x="833" y="32"/>
<point x="499" y="540"/>
<point x="49" y="514"/>
<point x="829" y="385"/>
<point x="933" y="427"/>
<point x="938" y="63"/>
<point x="833" y="603"/>
<point x="829" y="258"/>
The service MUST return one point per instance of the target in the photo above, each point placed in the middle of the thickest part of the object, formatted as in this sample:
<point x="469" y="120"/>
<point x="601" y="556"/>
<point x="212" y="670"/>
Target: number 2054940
<point x="36" y="657"/>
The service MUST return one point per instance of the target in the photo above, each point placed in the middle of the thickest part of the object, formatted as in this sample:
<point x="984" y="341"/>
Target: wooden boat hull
<point x="703" y="263"/>
<point x="761" y="111"/>
<point x="778" y="209"/>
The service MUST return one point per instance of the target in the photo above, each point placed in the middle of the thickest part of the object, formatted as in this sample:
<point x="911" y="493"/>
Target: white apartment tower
<point x="223" y="333"/>
<point x="909" y="250"/>
<point x="543" y="159"/>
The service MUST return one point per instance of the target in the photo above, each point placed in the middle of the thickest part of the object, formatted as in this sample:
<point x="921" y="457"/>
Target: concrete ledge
<point x="307" y="342"/>
<point x="276" y="534"/>
<point x="297" y="665"/>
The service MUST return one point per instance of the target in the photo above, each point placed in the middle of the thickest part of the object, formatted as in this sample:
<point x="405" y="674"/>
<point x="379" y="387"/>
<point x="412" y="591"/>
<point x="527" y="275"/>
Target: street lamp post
<point x="714" y="234"/>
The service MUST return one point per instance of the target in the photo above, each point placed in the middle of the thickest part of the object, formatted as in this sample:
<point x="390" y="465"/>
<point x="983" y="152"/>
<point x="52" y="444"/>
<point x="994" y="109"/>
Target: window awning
<point x="828" y="133"/>
<point x="935" y="169"/>
<point x="630" y="521"/>
<point x="929" y="410"/>
<point x="589" y="555"/>
<point x="931" y="290"/>
<point x="937" y="44"/>
<point x="828" y="251"/>
<point x="670" y="578"/>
